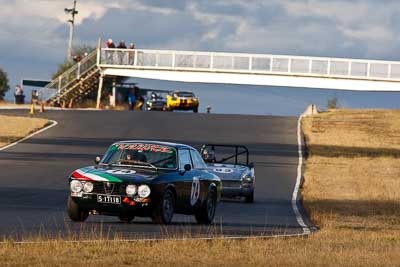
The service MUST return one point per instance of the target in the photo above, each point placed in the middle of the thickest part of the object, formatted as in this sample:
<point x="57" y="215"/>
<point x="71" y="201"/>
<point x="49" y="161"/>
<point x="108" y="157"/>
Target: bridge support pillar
<point x="99" y="91"/>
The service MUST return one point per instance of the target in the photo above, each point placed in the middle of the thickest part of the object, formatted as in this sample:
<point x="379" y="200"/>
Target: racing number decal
<point x="223" y="170"/>
<point x="121" y="171"/>
<point x="195" y="194"/>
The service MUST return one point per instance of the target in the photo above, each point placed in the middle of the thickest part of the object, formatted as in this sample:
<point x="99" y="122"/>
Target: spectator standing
<point x="77" y="58"/>
<point x="121" y="45"/>
<point x="139" y="99"/>
<point x="19" y="95"/>
<point x="109" y="54"/>
<point x="131" y="99"/>
<point x="34" y="97"/>
<point x="110" y="44"/>
<point x="18" y="90"/>
<point x="122" y="54"/>
<point x="111" y="101"/>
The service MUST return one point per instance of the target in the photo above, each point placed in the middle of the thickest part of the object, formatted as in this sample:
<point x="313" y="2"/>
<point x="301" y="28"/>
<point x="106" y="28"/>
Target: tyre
<point x="250" y="198"/>
<point x="195" y="110"/>
<point x="205" y="214"/>
<point x="165" y="209"/>
<point x="75" y="213"/>
<point x="126" y="218"/>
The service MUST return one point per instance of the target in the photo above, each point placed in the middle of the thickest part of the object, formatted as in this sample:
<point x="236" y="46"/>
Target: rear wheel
<point x="75" y="213"/>
<point x="206" y="213"/>
<point x="195" y="110"/>
<point x="125" y="218"/>
<point x="165" y="209"/>
<point x="250" y="198"/>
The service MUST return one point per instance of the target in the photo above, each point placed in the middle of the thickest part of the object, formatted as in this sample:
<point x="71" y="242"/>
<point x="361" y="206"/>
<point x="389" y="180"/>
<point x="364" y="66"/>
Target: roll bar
<point x="239" y="150"/>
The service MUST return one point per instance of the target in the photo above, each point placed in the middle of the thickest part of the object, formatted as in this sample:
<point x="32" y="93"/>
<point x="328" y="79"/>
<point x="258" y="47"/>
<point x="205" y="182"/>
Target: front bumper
<point x="130" y="205"/>
<point x="236" y="192"/>
<point x="183" y="105"/>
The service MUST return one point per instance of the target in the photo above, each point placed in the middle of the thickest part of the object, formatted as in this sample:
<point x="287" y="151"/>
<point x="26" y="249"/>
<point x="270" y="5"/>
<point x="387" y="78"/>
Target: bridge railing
<point x="64" y="80"/>
<point x="250" y="63"/>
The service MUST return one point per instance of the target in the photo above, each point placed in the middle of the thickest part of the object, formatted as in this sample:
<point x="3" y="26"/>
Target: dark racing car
<point x="145" y="178"/>
<point x="156" y="102"/>
<point x="231" y="164"/>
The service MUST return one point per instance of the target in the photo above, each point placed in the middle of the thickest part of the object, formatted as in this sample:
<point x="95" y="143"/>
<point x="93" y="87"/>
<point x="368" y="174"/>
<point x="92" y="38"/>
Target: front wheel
<point x="195" y="110"/>
<point x="206" y="213"/>
<point x="165" y="209"/>
<point x="75" y="213"/>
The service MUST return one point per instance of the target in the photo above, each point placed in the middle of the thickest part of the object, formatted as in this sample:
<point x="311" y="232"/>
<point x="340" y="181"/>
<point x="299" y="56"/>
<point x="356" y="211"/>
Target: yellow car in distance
<point x="182" y="100"/>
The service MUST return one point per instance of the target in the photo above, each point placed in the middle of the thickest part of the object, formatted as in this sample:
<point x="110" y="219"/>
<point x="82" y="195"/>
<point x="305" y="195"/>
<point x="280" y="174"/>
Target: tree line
<point x="4" y="84"/>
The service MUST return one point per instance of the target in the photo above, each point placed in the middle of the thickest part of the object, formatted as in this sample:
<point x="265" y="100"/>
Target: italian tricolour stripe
<point x="100" y="177"/>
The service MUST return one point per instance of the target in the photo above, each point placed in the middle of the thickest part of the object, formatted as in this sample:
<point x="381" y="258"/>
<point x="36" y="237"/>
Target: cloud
<point x="37" y="31"/>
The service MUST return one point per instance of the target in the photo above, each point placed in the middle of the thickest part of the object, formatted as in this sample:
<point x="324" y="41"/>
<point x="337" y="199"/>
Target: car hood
<point x="227" y="171"/>
<point x="114" y="174"/>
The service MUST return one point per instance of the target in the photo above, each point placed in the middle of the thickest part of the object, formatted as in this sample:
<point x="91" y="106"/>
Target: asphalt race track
<point x="34" y="185"/>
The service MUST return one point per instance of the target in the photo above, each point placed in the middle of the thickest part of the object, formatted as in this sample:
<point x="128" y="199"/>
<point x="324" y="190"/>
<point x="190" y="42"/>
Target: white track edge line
<point x="163" y="239"/>
<point x="53" y="123"/>
<point x="299" y="217"/>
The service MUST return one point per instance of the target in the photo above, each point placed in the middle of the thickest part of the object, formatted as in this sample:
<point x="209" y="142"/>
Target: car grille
<point x="114" y="188"/>
<point x="231" y="184"/>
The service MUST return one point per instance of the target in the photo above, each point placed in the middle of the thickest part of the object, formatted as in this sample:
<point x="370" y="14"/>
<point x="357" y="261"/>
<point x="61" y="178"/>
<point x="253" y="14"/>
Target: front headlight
<point x="88" y="187"/>
<point x="76" y="186"/>
<point x="130" y="190"/>
<point x="144" y="191"/>
<point x="247" y="179"/>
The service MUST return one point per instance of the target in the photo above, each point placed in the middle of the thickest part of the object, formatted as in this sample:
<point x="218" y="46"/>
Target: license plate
<point x="109" y="199"/>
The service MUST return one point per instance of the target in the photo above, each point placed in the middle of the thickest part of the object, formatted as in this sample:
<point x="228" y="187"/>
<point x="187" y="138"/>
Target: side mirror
<point x="187" y="167"/>
<point x="97" y="160"/>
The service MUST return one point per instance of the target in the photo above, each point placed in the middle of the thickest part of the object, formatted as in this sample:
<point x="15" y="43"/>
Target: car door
<point x="187" y="180"/>
<point x="199" y="171"/>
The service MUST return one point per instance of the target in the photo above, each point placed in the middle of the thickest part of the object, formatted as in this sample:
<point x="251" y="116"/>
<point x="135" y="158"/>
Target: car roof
<point x="178" y="91"/>
<point x="163" y="143"/>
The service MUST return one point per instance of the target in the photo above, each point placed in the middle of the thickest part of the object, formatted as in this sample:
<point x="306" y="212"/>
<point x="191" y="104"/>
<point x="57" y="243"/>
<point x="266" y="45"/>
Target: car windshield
<point x="142" y="155"/>
<point x="185" y="94"/>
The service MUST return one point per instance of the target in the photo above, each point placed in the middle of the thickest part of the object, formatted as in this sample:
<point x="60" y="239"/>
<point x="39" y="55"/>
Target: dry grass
<point x="354" y="200"/>
<point x="354" y="133"/>
<point x="318" y="250"/>
<point x="352" y="178"/>
<point x="14" y="128"/>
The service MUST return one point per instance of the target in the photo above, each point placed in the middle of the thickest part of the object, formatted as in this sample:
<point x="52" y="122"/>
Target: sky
<point x="34" y="36"/>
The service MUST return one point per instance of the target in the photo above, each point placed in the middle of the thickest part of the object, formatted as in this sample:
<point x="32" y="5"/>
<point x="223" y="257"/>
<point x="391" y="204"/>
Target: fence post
<point x="349" y="70"/>
<point x="270" y="65"/>
<point x="329" y="67"/>
<point x="78" y="71"/>
<point x="250" y="63"/>
<point x="368" y="69"/>
<point x="59" y="84"/>
<point x="135" y="58"/>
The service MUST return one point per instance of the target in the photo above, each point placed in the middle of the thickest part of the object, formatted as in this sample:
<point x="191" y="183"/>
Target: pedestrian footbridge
<point x="87" y="76"/>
